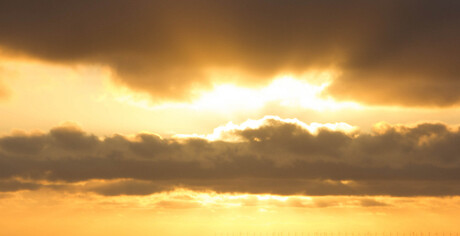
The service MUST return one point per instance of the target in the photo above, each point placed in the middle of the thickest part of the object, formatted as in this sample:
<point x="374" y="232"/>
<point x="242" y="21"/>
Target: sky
<point x="321" y="118"/>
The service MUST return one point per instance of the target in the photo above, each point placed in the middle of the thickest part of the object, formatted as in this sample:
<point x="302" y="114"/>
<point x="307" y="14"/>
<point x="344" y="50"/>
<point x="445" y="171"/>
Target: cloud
<point x="391" y="52"/>
<point x="277" y="156"/>
<point x="125" y="187"/>
<point x="14" y="185"/>
<point x="367" y="202"/>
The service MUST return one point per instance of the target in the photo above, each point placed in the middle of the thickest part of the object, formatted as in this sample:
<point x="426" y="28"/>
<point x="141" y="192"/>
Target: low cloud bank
<point x="277" y="156"/>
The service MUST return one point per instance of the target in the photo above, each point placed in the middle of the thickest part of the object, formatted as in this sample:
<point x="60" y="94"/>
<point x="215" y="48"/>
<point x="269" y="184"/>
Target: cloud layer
<point x="278" y="156"/>
<point x="391" y="52"/>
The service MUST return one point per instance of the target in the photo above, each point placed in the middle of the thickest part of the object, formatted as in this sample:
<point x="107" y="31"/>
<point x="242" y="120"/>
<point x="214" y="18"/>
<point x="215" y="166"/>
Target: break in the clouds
<point x="384" y="52"/>
<point x="277" y="156"/>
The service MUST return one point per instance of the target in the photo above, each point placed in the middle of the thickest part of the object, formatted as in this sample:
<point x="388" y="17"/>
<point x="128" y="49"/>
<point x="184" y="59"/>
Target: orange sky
<point x="229" y="118"/>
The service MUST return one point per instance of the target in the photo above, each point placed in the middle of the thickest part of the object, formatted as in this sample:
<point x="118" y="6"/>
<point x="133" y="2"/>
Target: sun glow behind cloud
<point x="86" y="94"/>
<point x="79" y="94"/>
<point x="225" y="132"/>
<point x="286" y="91"/>
<point x="293" y="89"/>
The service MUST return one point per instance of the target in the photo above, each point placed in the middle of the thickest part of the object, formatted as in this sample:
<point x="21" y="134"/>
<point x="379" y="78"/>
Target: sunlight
<point x="227" y="132"/>
<point x="285" y="91"/>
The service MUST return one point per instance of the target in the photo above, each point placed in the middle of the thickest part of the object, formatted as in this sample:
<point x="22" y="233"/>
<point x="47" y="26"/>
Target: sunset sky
<point x="230" y="117"/>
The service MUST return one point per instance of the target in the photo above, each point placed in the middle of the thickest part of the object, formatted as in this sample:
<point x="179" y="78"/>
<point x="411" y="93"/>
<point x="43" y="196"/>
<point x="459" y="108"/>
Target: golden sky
<point x="318" y="118"/>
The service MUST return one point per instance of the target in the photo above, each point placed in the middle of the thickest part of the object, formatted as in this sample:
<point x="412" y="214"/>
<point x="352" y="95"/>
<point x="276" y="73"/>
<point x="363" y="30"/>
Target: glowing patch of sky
<point x="44" y="95"/>
<point x="210" y="213"/>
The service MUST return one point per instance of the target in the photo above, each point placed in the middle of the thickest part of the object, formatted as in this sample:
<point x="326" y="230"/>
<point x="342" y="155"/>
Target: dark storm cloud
<point x="277" y="157"/>
<point x="389" y="52"/>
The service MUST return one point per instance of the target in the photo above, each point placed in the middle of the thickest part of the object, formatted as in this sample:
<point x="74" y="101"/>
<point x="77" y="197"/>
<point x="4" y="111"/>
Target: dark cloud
<point x="71" y="137"/>
<point x="334" y="202"/>
<point x="278" y="157"/>
<point x="125" y="187"/>
<point x="368" y="202"/>
<point x="14" y="185"/>
<point x="389" y="52"/>
<point x="23" y="144"/>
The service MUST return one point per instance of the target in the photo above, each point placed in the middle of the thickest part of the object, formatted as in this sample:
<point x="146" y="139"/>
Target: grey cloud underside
<point x="278" y="158"/>
<point x="404" y="52"/>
